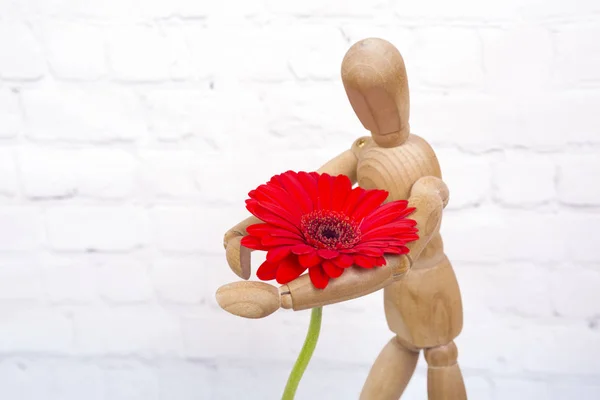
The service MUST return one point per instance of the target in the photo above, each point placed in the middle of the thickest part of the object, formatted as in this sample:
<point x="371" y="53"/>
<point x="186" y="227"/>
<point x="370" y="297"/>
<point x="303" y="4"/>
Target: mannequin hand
<point x="249" y="299"/>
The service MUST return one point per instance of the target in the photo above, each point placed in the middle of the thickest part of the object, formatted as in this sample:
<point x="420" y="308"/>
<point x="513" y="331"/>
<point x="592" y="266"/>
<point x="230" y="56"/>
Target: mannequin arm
<point x="428" y="195"/>
<point x="238" y="257"/>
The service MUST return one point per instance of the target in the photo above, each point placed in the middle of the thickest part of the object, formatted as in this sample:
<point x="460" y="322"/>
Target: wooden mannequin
<point x="421" y="296"/>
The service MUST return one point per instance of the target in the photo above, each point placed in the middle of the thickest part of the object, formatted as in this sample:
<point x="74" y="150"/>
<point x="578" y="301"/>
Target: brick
<point x="267" y="379"/>
<point x="468" y="10"/>
<point x="169" y="174"/>
<point x="14" y="379"/>
<point x="511" y="388"/>
<point x="123" y="280"/>
<point x="73" y="9"/>
<point x="272" y="340"/>
<point x="70" y="280"/>
<point x="577" y="53"/>
<point x="573" y="291"/>
<point x="181" y="114"/>
<point x="317" y="52"/>
<point x="21" y="57"/>
<point x="131" y="382"/>
<point x="83" y="115"/>
<point x="142" y="331"/>
<point x="265" y="51"/>
<point x="55" y="173"/>
<point x="467" y="177"/>
<point x="184" y="9"/>
<point x="579" y="236"/>
<point x="525" y="345"/>
<point x="11" y="123"/>
<point x="186" y="381"/>
<point x="478" y="387"/>
<point x="20" y="279"/>
<point x="32" y="330"/>
<point x="243" y="173"/>
<point x="96" y="228"/>
<point x="575" y="388"/>
<point x="339" y="8"/>
<point x="181" y="281"/>
<point x="491" y="235"/>
<point x="488" y="286"/>
<point x="573" y="188"/>
<point x="483" y="122"/>
<point x="264" y="380"/>
<point x="142" y="53"/>
<point x="315" y="118"/>
<point x="20" y="228"/>
<point x="460" y="120"/>
<point x="524" y="179"/>
<point x="517" y="59"/>
<point x="215" y="269"/>
<point x="457" y="54"/>
<point x="63" y="379"/>
<point x="74" y="50"/>
<point x="8" y="174"/>
<point x="402" y="37"/>
<point x="189" y="229"/>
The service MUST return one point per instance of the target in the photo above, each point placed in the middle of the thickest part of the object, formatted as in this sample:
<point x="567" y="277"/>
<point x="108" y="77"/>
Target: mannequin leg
<point x="444" y="379"/>
<point x="391" y="372"/>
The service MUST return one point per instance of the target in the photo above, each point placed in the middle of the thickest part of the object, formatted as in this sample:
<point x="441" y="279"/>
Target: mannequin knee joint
<point x="442" y="356"/>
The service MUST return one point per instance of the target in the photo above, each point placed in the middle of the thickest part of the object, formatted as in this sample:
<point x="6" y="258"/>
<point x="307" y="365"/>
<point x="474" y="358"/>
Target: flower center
<point x="326" y="229"/>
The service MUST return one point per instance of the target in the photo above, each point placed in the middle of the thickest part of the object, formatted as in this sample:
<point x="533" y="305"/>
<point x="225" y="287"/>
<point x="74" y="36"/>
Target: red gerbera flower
<point x="319" y="222"/>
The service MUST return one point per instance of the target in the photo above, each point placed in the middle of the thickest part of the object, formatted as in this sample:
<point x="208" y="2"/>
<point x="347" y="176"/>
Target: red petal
<point x="318" y="277"/>
<point x="328" y="254"/>
<point x="309" y="183"/>
<point x="383" y="242"/>
<point x="369" y="251"/>
<point x="377" y="218"/>
<point x="303" y="249"/>
<point x="309" y="260"/>
<point x="343" y="261"/>
<point x="332" y="270"/>
<point x="289" y="270"/>
<point x="252" y="242"/>
<point x="396" y="250"/>
<point x="390" y="232"/>
<point x="280" y="195"/>
<point x="278" y="253"/>
<point x="292" y="185"/>
<point x="325" y="185"/>
<point x="279" y="202"/>
<point x="269" y="216"/>
<point x="364" y="261"/>
<point x="267" y="271"/>
<point x="271" y="241"/>
<point x="397" y="205"/>
<point x="270" y="230"/>
<point x="354" y="198"/>
<point x="341" y="188"/>
<point x="372" y="200"/>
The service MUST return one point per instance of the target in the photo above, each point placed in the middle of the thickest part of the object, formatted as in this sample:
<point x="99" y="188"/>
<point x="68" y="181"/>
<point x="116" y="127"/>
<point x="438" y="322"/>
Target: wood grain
<point x="249" y="299"/>
<point x="444" y="379"/>
<point x="391" y="372"/>
<point x="375" y="81"/>
<point x="422" y="299"/>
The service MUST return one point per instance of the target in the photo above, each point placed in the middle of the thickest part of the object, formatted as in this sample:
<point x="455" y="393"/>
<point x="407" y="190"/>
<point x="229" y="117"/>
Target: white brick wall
<point x="131" y="131"/>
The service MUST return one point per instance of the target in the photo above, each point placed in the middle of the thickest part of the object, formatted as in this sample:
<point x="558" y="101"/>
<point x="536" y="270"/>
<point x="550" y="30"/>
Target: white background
<point x="132" y="130"/>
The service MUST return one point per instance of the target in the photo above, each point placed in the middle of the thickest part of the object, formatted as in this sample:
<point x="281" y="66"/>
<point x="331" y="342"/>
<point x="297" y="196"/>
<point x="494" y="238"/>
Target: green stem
<point x="305" y="354"/>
